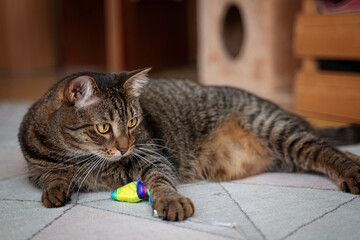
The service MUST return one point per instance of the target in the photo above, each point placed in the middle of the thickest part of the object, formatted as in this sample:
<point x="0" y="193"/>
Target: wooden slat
<point x="328" y="36"/>
<point x="114" y="37"/>
<point x="333" y="94"/>
<point x="80" y="31"/>
<point x="27" y="33"/>
<point x="309" y="6"/>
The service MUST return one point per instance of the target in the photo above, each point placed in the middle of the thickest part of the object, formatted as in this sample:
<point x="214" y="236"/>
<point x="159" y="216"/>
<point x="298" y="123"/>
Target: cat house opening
<point x="233" y="31"/>
<point x="351" y="66"/>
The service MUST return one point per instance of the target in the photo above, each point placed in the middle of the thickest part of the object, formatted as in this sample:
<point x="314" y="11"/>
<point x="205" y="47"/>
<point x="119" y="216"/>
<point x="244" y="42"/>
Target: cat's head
<point x="101" y="113"/>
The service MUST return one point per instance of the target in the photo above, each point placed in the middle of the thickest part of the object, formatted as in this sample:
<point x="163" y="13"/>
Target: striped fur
<point x="185" y="132"/>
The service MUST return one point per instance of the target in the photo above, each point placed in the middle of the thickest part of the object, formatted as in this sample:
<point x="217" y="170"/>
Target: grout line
<point x="220" y="225"/>
<point x="199" y="183"/>
<point x="242" y="210"/>
<point x="18" y="200"/>
<point x="158" y="221"/>
<point x="321" y="216"/>
<point x="47" y="225"/>
<point x="258" y="184"/>
<point x="285" y="186"/>
<point x="98" y="200"/>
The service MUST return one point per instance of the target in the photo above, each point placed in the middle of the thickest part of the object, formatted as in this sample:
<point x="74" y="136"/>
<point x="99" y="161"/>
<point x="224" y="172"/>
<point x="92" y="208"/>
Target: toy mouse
<point x="133" y="192"/>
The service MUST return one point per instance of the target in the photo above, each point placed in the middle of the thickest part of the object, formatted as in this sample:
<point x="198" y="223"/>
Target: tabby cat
<point x="96" y="132"/>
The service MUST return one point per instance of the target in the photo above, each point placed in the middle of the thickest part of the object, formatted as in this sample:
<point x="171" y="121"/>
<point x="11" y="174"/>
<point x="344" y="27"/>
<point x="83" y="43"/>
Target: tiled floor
<point x="268" y="206"/>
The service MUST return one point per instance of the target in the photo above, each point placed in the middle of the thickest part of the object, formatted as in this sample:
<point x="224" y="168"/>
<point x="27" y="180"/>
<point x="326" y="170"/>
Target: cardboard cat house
<point x="248" y="44"/>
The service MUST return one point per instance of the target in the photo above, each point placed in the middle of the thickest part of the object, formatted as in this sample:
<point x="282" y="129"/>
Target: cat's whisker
<point x="80" y="156"/>
<point x="64" y="162"/>
<point x="81" y="169"/>
<point x="90" y="165"/>
<point x="157" y="146"/>
<point x="138" y="157"/>
<point x="167" y="163"/>
<point x="77" y="163"/>
<point x="74" y="178"/>
<point x="152" y="152"/>
<point x="69" y="166"/>
<point x="145" y="150"/>
<point x="103" y="161"/>
<point x="87" y="161"/>
<point x="161" y="147"/>
<point x="93" y="166"/>
<point x="144" y="159"/>
<point x="85" y="174"/>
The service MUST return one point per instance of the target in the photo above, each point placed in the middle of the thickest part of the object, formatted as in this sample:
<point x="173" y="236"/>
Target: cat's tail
<point x="340" y="136"/>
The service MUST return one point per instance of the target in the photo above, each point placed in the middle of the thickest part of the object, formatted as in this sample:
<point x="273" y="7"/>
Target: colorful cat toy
<point x="133" y="192"/>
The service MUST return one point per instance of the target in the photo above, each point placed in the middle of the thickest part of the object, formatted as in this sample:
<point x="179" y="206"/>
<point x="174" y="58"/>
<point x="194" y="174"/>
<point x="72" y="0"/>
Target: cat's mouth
<point x="117" y="155"/>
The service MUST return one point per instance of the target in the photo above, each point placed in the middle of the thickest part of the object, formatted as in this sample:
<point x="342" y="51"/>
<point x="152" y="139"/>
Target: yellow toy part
<point x="131" y="192"/>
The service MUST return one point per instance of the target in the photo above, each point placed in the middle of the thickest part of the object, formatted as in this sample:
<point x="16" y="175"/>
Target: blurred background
<point x="302" y="54"/>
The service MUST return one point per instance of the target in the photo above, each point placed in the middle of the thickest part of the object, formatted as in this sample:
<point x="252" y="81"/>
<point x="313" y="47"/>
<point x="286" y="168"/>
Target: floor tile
<point x="11" y="115"/>
<point x="292" y="180"/>
<point x="352" y="148"/>
<point x="101" y="224"/>
<point x="215" y="212"/>
<point x="342" y="223"/>
<point x="279" y="210"/>
<point x="19" y="188"/>
<point x="22" y="219"/>
<point x="12" y="163"/>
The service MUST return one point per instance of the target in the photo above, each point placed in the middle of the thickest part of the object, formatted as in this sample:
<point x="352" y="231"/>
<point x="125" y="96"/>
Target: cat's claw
<point x="55" y="195"/>
<point x="173" y="208"/>
<point x="351" y="183"/>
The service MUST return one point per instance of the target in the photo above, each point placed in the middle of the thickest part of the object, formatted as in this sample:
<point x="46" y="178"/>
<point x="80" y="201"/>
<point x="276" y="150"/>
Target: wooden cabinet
<point x="327" y="94"/>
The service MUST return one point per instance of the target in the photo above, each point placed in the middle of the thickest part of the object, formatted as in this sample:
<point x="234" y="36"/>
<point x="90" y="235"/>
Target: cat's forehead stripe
<point x="111" y="115"/>
<point x="115" y="108"/>
<point x="123" y="103"/>
<point x="118" y="102"/>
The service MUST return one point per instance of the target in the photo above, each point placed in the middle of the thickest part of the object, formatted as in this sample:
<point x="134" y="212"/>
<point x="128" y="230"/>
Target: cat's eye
<point x="103" y="127"/>
<point x="132" y="122"/>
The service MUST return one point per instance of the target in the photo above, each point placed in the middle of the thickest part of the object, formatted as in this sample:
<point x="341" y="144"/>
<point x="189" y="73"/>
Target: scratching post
<point x="248" y="44"/>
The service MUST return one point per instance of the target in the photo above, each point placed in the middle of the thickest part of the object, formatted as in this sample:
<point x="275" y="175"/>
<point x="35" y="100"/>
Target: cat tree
<point x="248" y="44"/>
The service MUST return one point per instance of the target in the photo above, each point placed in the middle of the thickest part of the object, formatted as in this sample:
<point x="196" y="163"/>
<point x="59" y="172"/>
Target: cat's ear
<point x="80" y="91"/>
<point x="135" y="81"/>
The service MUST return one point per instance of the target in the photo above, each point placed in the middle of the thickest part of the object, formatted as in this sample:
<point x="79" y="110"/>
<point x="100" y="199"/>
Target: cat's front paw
<point x="173" y="208"/>
<point x="351" y="181"/>
<point x="55" y="195"/>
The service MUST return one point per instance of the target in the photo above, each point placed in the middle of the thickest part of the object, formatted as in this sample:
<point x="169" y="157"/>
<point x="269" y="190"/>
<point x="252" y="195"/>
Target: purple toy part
<point x="141" y="190"/>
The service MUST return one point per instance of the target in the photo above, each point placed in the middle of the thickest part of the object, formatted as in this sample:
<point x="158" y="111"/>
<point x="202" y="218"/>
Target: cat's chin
<point x="113" y="158"/>
<point x="116" y="157"/>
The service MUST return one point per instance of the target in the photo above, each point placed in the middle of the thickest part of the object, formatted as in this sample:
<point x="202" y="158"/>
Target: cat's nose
<point x="122" y="144"/>
<point x="123" y="150"/>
